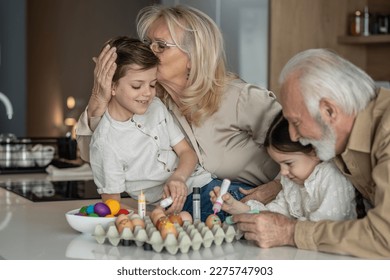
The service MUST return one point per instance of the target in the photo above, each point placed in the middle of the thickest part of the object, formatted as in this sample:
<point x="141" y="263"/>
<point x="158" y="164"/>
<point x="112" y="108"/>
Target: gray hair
<point x="324" y="74"/>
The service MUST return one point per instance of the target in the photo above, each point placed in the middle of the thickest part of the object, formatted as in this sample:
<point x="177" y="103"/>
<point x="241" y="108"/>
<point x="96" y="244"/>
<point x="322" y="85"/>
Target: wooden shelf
<point x="362" y="40"/>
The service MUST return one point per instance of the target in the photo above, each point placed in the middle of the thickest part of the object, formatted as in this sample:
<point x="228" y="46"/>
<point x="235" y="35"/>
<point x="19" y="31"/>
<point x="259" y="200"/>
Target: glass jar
<point x="356" y="24"/>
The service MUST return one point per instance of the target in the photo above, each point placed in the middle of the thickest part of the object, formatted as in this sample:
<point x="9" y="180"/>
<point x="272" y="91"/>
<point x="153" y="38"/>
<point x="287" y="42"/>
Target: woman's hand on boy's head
<point x="103" y="74"/>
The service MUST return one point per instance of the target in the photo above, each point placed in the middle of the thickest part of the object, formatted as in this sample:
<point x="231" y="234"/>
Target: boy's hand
<point x="177" y="189"/>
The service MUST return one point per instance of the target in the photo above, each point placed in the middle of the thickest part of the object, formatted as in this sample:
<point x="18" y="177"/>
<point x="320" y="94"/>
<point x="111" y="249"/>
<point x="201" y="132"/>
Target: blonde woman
<point x="224" y="118"/>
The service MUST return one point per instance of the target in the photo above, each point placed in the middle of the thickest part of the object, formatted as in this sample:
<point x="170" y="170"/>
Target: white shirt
<point x="326" y="195"/>
<point x="137" y="154"/>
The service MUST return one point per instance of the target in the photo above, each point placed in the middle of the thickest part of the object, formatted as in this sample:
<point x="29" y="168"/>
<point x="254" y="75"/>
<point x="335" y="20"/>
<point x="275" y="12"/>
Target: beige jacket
<point x="366" y="162"/>
<point x="229" y="144"/>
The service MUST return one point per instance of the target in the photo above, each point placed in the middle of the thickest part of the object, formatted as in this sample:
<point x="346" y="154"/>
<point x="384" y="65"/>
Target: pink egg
<point x="101" y="209"/>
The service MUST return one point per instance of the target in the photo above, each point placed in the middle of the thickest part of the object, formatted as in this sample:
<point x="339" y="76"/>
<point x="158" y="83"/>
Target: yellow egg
<point x="213" y="220"/>
<point x="168" y="228"/>
<point x="114" y="206"/>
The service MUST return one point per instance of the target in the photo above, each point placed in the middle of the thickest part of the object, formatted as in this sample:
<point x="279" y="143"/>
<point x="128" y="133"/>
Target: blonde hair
<point x="202" y="41"/>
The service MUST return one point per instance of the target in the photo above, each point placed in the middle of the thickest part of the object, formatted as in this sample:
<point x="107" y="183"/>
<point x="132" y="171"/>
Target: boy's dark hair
<point x="278" y="137"/>
<point x="131" y="51"/>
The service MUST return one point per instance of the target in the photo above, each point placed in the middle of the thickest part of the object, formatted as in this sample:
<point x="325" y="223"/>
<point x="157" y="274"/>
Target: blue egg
<point x="90" y="209"/>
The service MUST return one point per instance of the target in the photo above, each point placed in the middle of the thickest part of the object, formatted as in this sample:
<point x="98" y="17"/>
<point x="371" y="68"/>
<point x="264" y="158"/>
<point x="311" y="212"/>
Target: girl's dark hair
<point x="278" y="137"/>
<point x="131" y="51"/>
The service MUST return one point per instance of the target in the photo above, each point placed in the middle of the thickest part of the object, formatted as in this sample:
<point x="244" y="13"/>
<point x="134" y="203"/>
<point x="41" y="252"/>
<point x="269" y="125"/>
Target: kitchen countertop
<point x="39" y="231"/>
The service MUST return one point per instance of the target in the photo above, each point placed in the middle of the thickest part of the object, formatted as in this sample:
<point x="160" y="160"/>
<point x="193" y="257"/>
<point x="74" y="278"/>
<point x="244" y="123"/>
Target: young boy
<point x="137" y="145"/>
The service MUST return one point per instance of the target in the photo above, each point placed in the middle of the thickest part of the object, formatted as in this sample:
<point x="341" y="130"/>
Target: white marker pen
<point x="218" y="203"/>
<point x="166" y="202"/>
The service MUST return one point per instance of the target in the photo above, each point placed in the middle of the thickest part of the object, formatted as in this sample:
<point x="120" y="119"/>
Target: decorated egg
<point x="101" y="209"/>
<point x="137" y="221"/>
<point x="156" y="214"/>
<point x="168" y="228"/>
<point x="162" y="221"/>
<point x="212" y="220"/>
<point x="122" y="222"/>
<point x="114" y="206"/>
<point x="175" y="218"/>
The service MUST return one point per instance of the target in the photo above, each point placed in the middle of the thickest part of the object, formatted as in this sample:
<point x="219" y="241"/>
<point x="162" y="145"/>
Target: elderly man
<point x="334" y="105"/>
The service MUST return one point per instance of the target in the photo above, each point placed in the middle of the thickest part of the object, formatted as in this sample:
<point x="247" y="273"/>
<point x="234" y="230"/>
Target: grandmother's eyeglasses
<point x="159" y="46"/>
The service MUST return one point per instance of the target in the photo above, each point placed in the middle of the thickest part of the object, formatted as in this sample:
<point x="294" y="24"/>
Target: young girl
<point x="311" y="189"/>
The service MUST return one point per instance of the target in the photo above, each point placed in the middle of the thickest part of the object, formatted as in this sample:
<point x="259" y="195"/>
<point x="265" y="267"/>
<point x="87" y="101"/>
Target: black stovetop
<point x="41" y="191"/>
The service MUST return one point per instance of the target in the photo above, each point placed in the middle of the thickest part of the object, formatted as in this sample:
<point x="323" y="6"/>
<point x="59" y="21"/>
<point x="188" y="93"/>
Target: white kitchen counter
<point x="39" y="231"/>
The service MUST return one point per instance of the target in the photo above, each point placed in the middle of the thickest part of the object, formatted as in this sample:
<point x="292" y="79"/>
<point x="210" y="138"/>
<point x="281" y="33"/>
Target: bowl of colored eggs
<point x="86" y="218"/>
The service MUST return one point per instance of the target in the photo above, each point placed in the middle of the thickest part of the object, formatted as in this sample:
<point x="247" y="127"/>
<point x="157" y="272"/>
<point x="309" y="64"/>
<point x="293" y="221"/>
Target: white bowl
<point x="87" y="224"/>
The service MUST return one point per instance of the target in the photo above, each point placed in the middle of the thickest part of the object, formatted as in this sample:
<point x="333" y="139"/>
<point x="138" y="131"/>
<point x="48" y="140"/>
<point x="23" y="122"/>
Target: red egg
<point x="122" y="211"/>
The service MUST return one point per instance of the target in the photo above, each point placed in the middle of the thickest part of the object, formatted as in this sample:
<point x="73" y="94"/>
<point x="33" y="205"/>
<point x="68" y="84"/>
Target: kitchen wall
<point x="62" y="37"/>
<point x="244" y="25"/>
<point x="13" y="64"/>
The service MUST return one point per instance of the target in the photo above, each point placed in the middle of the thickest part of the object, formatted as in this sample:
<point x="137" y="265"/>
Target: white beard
<point x="326" y="146"/>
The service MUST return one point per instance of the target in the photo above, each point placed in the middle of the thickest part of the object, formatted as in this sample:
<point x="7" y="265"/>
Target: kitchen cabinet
<point x="364" y="40"/>
<point x="376" y="47"/>
<point x="297" y="25"/>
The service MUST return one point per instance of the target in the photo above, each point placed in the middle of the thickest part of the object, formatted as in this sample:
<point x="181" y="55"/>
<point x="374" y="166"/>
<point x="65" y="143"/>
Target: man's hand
<point x="264" y="193"/>
<point x="267" y="229"/>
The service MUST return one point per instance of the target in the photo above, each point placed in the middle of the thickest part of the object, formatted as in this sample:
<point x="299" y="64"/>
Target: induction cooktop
<point x="41" y="191"/>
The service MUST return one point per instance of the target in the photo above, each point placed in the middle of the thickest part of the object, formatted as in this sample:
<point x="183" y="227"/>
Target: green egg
<point x="83" y="210"/>
<point x="93" y="215"/>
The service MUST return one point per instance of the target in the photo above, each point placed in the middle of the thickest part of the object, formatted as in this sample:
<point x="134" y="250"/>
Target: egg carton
<point x="190" y="236"/>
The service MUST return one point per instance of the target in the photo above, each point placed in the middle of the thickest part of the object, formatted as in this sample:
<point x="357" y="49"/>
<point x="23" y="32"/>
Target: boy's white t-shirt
<point x="137" y="154"/>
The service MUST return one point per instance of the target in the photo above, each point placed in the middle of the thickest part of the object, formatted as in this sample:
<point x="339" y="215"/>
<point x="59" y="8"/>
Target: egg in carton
<point x="190" y="236"/>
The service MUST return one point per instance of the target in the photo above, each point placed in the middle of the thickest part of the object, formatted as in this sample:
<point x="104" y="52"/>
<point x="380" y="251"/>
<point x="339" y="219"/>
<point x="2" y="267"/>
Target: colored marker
<point x="218" y="203"/>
